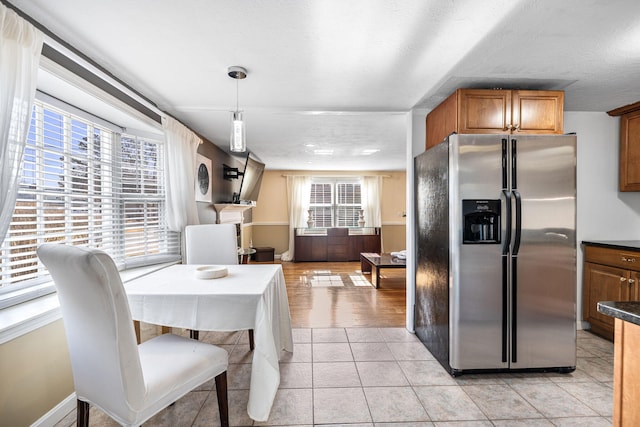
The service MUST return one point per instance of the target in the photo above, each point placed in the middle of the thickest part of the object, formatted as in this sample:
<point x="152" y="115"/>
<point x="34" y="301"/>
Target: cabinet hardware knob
<point x="623" y="279"/>
<point x="509" y="127"/>
<point x="631" y="281"/>
<point x="516" y="127"/>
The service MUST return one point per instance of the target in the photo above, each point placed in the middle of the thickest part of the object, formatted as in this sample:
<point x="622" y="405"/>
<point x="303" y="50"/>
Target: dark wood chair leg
<point x="252" y="344"/>
<point x="82" y="414"/>
<point x="194" y="335"/>
<point x="223" y="404"/>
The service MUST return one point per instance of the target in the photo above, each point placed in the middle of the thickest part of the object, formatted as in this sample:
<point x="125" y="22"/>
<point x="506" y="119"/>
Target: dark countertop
<point x="628" y="311"/>
<point x="615" y="244"/>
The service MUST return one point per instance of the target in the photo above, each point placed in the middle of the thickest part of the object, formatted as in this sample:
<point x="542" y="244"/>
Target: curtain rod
<point x="52" y="49"/>
<point x="335" y="176"/>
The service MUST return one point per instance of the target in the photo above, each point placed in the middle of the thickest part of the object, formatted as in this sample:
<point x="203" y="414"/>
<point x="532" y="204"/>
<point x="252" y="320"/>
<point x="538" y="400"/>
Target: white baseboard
<point x="582" y="325"/>
<point x="57" y="413"/>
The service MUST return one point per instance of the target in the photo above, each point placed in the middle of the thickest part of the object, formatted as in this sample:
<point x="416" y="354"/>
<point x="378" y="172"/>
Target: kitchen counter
<point x="614" y="244"/>
<point x="626" y="361"/>
<point x="629" y="311"/>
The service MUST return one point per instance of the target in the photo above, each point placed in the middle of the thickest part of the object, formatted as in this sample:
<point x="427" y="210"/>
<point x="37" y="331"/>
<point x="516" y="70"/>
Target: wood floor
<point x="325" y="306"/>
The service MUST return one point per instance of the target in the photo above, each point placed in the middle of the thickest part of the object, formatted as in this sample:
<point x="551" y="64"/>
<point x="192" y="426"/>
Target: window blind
<point x="83" y="184"/>
<point x="348" y="204"/>
<point x="321" y="204"/>
<point x="335" y="203"/>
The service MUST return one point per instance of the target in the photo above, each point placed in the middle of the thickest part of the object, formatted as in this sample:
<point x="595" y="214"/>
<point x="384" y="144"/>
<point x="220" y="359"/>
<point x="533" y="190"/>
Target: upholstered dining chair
<point x="129" y="382"/>
<point x="212" y="244"/>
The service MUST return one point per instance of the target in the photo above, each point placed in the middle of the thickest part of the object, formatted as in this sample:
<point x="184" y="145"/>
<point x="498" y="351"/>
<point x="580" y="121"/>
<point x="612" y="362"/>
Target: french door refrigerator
<point x="496" y="252"/>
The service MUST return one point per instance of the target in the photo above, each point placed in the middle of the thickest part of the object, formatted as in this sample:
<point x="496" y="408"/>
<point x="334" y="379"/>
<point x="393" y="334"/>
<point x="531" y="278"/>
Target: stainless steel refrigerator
<point x="496" y="252"/>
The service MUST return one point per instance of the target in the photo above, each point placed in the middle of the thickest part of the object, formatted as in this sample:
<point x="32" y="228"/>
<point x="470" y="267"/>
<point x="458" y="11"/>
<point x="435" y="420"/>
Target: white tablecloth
<point x="249" y="297"/>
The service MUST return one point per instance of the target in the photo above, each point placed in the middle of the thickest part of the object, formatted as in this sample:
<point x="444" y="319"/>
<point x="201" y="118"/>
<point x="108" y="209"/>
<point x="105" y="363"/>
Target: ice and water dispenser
<point x="481" y="219"/>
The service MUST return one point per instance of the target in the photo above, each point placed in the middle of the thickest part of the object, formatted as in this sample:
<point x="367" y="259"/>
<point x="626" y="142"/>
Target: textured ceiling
<point x="341" y="75"/>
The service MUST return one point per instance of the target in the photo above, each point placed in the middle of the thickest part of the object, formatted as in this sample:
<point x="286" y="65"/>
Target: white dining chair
<point x="212" y="244"/>
<point x="129" y="382"/>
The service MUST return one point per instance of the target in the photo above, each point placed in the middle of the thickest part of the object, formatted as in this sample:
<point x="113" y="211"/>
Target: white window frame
<point x="334" y="206"/>
<point x="15" y="292"/>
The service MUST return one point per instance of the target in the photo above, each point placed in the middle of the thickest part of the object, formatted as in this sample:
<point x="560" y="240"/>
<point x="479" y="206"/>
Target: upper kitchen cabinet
<point x="496" y="111"/>
<point x="629" y="146"/>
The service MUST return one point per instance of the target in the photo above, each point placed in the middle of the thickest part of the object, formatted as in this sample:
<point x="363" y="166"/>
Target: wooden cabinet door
<point x="442" y="121"/>
<point x="630" y="151"/>
<point x="302" y="249"/>
<point x="626" y="369"/>
<point x="603" y="283"/>
<point x="310" y="248"/>
<point x="537" y="111"/>
<point x="318" y="248"/>
<point x="356" y="245"/>
<point x="484" y="110"/>
<point x="338" y="249"/>
<point x="372" y="244"/>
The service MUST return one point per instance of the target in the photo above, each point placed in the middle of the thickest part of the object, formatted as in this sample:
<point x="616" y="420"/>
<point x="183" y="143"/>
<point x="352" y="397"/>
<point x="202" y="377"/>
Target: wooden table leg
<point x="136" y="328"/>
<point x="375" y="276"/>
<point x="365" y="265"/>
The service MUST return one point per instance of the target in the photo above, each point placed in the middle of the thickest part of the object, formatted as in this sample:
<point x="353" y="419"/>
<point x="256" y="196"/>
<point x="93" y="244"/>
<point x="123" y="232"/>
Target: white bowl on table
<point x="211" y="272"/>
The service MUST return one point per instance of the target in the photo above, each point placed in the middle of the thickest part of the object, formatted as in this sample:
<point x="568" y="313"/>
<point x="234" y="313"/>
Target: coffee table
<point x="373" y="262"/>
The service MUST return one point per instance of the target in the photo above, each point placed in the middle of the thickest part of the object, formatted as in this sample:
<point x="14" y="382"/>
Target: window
<point x="335" y="203"/>
<point x="85" y="184"/>
<point x="321" y="204"/>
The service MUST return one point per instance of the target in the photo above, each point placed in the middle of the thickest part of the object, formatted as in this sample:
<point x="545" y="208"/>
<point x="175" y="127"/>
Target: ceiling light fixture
<point x="238" y="140"/>
<point x="323" y="152"/>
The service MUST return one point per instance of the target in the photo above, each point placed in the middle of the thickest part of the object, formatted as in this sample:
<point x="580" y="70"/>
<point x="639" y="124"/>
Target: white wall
<point x="603" y="213"/>
<point x="416" y="140"/>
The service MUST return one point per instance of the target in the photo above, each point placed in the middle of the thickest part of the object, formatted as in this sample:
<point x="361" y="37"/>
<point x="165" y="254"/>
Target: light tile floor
<point x="386" y="377"/>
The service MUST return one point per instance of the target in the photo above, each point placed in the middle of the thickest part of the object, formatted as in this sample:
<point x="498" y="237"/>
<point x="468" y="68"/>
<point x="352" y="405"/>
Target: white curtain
<point x="180" y="163"/>
<point x="20" y="47"/>
<point x="372" y="200"/>
<point x="298" y="194"/>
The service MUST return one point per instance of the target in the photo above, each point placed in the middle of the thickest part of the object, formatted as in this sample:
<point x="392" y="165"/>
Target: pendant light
<point x="238" y="140"/>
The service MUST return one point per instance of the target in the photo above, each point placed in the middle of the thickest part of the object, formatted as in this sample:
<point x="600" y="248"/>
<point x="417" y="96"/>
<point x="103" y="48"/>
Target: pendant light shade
<point x="238" y="135"/>
<point x="238" y="138"/>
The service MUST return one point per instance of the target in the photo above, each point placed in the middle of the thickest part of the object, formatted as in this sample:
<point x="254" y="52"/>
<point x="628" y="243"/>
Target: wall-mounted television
<point x="251" y="181"/>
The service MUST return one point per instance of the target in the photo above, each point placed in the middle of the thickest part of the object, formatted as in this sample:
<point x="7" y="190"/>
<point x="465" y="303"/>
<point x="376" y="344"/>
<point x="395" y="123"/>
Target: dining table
<point x="249" y="296"/>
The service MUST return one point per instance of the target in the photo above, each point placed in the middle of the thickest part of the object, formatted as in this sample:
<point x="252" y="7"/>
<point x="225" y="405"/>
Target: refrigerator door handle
<point x="507" y="232"/>
<point x="505" y="156"/>
<point x="516" y="242"/>
<point x="514" y="165"/>
<point x="505" y="306"/>
<point x="514" y="310"/>
<point x="514" y="278"/>
<point x="505" y="274"/>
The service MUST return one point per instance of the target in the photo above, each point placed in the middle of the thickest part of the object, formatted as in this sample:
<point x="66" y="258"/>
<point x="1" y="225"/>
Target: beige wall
<point x="271" y="220"/>
<point x="275" y="236"/>
<point x="393" y="238"/>
<point x="35" y="375"/>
